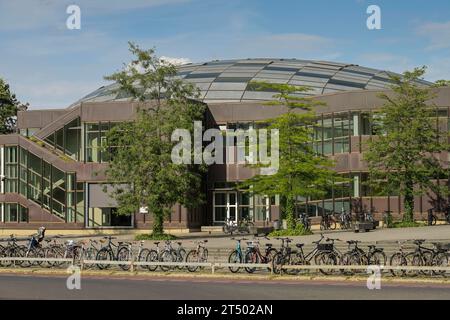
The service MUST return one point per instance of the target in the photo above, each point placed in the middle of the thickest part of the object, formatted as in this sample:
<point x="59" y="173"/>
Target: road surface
<point x="93" y="287"/>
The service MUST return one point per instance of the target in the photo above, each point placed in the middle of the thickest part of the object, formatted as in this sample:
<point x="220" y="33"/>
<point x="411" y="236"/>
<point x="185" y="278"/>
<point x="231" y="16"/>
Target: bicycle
<point x="298" y="257"/>
<point x="329" y="255"/>
<point x="282" y="257"/>
<point x="236" y="256"/>
<point x="304" y="220"/>
<point x="328" y="222"/>
<point x="431" y="217"/>
<point x="254" y="254"/>
<point x="345" y="220"/>
<point x="243" y="226"/>
<point x="423" y="256"/>
<point x="11" y="250"/>
<point x="399" y="259"/>
<point x="33" y="250"/>
<point x="357" y="256"/>
<point x="199" y="255"/>
<point x="113" y="252"/>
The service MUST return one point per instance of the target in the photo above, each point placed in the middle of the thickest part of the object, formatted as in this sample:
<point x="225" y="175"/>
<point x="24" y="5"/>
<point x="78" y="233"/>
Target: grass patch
<point x="299" y="230"/>
<point x="406" y="224"/>
<point x="151" y="236"/>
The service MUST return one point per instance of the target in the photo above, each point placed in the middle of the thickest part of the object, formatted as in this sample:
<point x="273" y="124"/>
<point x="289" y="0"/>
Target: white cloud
<point x="387" y="61"/>
<point x="438" y="34"/>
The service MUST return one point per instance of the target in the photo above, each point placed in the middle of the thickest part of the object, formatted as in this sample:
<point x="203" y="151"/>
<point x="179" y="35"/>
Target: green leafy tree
<point x="9" y="105"/>
<point x="141" y="165"/>
<point x="302" y="172"/>
<point x="403" y="157"/>
<point x="441" y="83"/>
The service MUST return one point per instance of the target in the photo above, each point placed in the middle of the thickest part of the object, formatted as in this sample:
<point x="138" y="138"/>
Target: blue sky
<point x="50" y="66"/>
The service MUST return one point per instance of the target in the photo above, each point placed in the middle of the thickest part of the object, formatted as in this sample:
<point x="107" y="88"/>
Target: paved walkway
<point x="218" y="240"/>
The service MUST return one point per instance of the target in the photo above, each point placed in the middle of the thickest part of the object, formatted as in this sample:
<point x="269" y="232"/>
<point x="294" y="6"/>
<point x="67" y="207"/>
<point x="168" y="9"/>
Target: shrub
<point x="299" y="230"/>
<point x="151" y="236"/>
<point x="405" y="224"/>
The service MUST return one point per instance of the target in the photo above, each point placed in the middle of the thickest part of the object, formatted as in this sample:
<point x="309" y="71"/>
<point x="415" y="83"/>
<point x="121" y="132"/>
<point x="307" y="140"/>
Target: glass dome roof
<point x="228" y="80"/>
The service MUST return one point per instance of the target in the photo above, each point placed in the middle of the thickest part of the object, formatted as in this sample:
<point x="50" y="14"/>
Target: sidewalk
<point x="220" y="240"/>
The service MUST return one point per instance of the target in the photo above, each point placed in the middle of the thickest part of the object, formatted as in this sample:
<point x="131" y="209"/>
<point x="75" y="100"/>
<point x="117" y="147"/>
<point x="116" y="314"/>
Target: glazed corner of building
<point x="52" y="168"/>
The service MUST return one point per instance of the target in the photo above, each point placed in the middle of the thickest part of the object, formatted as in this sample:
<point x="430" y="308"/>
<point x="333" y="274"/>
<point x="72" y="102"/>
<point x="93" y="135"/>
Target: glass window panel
<point x="220" y="199"/>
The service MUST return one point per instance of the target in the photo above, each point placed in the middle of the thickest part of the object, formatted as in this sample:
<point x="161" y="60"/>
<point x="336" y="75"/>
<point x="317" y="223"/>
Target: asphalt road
<point x="54" y="287"/>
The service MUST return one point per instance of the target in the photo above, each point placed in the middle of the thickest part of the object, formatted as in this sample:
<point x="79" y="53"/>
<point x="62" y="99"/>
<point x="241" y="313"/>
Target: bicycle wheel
<point x="350" y="259"/>
<point x="326" y="258"/>
<point x="413" y="259"/>
<point x="192" y="257"/>
<point x="203" y="255"/>
<point x="106" y="255"/>
<point x="181" y="257"/>
<point x="235" y="257"/>
<point x="440" y="260"/>
<point x="124" y="254"/>
<point x="277" y="263"/>
<point x="152" y="257"/>
<point x="398" y="260"/>
<point x="378" y="258"/>
<point x="89" y="254"/>
<point x="251" y="257"/>
<point x="294" y="260"/>
<point x="167" y="256"/>
<point x="142" y="257"/>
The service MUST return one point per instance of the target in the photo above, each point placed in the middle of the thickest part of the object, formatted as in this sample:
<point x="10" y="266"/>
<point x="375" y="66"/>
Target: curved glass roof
<point x="228" y="80"/>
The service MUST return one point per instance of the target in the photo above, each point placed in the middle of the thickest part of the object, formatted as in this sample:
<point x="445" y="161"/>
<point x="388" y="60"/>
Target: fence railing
<point x="213" y="266"/>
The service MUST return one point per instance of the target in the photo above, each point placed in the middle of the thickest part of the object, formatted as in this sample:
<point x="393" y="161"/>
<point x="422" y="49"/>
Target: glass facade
<point x="14" y="212"/>
<point x="44" y="184"/>
<point x="68" y="139"/>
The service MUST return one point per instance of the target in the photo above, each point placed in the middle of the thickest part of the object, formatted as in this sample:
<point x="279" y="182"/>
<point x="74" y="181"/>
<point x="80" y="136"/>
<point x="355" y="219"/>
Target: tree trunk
<point x="158" y="220"/>
<point x="290" y="208"/>
<point x="409" y="202"/>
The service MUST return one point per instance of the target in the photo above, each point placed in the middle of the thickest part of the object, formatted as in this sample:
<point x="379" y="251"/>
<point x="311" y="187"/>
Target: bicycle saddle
<point x="419" y="241"/>
<point x="157" y="242"/>
<point x="299" y="245"/>
<point x="352" y="241"/>
<point x="179" y="243"/>
<point x="205" y="241"/>
<point x="269" y="245"/>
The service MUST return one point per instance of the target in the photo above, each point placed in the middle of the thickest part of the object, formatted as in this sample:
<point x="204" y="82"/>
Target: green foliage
<point x="405" y="224"/>
<point x="403" y="158"/>
<point x="302" y="172"/>
<point x="151" y="236"/>
<point x="298" y="230"/>
<point x="141" y="166"/>
<point x="9" y="105"/>
<point x="441" y="83"/>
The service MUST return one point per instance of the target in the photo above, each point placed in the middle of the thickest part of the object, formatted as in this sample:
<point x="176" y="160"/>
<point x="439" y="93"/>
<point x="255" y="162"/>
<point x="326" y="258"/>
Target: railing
<point x="217" y="265"/>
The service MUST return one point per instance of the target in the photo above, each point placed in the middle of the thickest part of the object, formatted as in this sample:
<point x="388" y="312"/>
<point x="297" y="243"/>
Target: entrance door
<point x="225" y="206"/>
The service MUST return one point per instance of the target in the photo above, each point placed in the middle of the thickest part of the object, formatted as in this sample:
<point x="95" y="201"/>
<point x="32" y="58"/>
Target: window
<point x="11" y="168"/>
<point x="15" y="212"/>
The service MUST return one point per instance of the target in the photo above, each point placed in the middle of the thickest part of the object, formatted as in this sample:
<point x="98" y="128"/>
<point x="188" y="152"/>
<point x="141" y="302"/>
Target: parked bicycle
<point x="113" y="252"/>
<point x="298" y="257"/>
<point x="254" y="254"/>
<point x="305" y="220"/>
<point x="345" y="220"/>
<point x="237" y="255"/>
<point x="199" y="255"/>
<point x="328" y="222"/>
<point x="243" y="226"/>
<point x="357" y="256"/>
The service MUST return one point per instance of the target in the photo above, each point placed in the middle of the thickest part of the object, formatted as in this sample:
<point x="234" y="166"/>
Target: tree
<point x="403" y="158"/>
<point x="9" y="105"/>
<point x="302" y="172"/>
<point x="441" y="83"/>
<point x="141" y="165"/>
